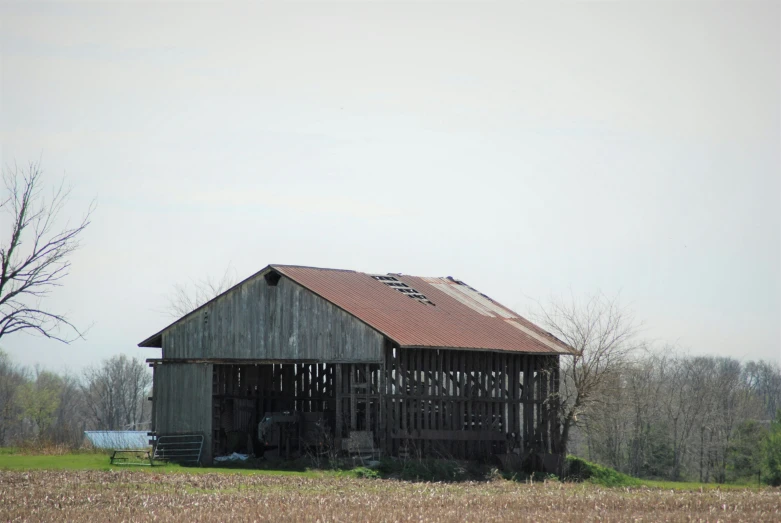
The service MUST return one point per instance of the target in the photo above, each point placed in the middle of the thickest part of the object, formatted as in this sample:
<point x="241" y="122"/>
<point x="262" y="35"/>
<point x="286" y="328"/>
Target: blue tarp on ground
<point x="118" y="439"/>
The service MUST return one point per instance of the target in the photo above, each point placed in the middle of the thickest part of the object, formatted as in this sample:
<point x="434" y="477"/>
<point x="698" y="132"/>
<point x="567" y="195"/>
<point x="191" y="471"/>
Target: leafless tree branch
<point x="602" y="332"/>
<point x="185" y="298"/>
<point x="34" y="258"/>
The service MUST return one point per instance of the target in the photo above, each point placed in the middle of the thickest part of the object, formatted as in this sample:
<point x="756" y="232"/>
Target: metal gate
<point x="179" y="448"/>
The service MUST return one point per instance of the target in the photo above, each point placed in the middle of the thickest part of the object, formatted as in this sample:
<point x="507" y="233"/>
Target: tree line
<point x="667" y="415"/>
<point x="40" y="407"/>
<point x="659" y="414"/>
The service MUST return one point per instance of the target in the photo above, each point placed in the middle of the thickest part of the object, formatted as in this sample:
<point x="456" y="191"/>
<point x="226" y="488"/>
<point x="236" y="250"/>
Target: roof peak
<point x="282" y="265"/>
<point x="292" y="266"/>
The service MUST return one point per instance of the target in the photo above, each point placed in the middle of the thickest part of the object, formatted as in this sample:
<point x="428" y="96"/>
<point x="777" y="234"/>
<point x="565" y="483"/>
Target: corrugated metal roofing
<point x="461" y="317"/>
<point x="118" y="439"/>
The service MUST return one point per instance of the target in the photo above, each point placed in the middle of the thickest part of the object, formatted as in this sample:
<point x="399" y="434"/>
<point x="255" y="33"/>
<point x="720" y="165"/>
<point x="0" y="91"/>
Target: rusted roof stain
<point x="460" y="317"/>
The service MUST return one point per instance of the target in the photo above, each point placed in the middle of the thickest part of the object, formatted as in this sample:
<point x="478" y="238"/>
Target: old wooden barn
<point x="301" y="359"/>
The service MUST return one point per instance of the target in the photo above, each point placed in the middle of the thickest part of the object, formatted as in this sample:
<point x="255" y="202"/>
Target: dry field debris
<point x="143" y="496"/>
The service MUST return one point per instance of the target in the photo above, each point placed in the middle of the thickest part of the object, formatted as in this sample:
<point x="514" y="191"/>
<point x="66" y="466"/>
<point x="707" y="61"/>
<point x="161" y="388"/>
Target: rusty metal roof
<point x="458" y="316"/>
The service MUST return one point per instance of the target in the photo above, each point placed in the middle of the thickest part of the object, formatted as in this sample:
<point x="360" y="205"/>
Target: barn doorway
<point x="273" y="410"/>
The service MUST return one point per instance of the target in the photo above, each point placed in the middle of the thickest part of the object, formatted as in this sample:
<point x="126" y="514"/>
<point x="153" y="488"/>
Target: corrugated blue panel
<point x="118" y="439"/>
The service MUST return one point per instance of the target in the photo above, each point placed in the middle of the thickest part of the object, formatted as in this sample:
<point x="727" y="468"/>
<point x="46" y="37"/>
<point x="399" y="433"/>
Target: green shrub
<point x="772" y="451"/>
<point x="744" y="455"/>
<point x="363" y="472"/>
<point x="581" y="470"/>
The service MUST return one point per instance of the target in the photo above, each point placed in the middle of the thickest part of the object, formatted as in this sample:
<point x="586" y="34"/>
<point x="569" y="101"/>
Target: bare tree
<point x="11" y="381"/>
<point x="686" y="400"/>
<point x="185" y="298"/>
<point x="115" y="393"/>
<point x="640" y="393"/>
<point x="34" y="256"/>
<point x="602" y="333"/>
<point x="764" y="380"/>
<point x="70" y="423"/>
<point x="608" y="421"/>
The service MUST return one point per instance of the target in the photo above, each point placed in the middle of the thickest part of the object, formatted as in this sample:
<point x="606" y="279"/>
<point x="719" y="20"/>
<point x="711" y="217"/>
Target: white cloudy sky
<point x="528" y="149"/>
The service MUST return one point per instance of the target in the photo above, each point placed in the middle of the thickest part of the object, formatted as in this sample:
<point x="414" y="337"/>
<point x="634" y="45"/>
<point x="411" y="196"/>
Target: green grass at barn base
<point x="429" y="470"/>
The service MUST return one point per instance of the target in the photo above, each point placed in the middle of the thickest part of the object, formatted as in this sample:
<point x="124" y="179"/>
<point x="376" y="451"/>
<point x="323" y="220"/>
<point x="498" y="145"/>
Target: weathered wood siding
<point x="465" y="404"/>
<point x="182" y="395"/>
<point x="282" y="322"/>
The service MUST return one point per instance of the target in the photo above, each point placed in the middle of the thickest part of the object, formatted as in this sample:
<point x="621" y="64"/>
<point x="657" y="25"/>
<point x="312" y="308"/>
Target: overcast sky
<point x="528" y="150"/>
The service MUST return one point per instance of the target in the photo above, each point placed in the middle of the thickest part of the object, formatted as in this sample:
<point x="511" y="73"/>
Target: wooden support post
<point x="353" y="397"/>
<point x="367" y="413"/>
<point x="503" y="384"/>
<point x="484" y="391"/>
<point x="444" y="423"/>
<point x="440" y="391"/>
<point x="338" y="422"/>
<point x="457" y="396"/>
<point x="537" y="405"/>
<point x="462" y="380"/>
<point x="382" y="380"/>
<point x="496" y="415"/>
<point x="469" y="390"/>
<point x="516" y="395"/>
<point x="544" y="373"/>
<point x="425" y="392"/>
<point x="556" y="428"/>
<point x="403" y="397"/>
<point x="390" y="381"/>
<point x="528" y="406"/>
<point x="511" y="396"/>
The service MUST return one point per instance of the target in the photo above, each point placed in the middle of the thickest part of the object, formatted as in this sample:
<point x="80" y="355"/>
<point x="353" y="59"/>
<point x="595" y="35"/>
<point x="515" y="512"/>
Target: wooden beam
<point x="453" y="435"/>
<point x="224" y="361"/>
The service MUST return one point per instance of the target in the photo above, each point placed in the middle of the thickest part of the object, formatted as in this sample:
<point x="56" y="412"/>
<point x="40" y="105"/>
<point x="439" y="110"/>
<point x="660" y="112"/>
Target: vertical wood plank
<point x="527" y="412"/>
<point x="403" y="388"/>
<point x="440" y="390"/>
<point x="478" y="387"/>
<point x="540" y="380"/>
<point x="512" y="375"/>
<point x="554" y="413"/>
<point x="470" y="390"/>
<point x="462" y="404"/>
<point x="367" y="413"/>
<point x="544" y="428"/>
<point x="338" y="429"/>
<point x="390" y="386"/>
<point x="422" y="412"/>
<point x="414" y="373"/>
<point x="353" y="397"/>
<point x="495" y="406"/>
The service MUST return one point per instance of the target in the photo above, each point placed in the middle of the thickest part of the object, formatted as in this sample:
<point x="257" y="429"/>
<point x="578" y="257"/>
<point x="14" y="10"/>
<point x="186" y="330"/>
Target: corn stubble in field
<point x="135" y="496"/>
